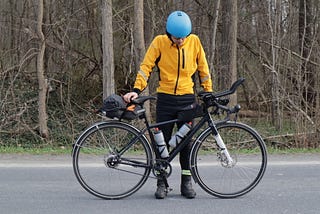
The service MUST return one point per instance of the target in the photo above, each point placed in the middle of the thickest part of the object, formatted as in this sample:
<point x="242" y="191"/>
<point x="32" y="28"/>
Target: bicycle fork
<point x="224" y="155"/>
<point x="224" y="151"/>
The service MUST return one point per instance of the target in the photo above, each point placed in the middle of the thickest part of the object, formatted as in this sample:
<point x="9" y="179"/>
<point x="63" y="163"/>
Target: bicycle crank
<point x="161" y="169"/>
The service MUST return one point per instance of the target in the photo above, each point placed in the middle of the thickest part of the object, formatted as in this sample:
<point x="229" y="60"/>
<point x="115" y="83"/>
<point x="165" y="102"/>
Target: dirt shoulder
<point x="29" y="158"/>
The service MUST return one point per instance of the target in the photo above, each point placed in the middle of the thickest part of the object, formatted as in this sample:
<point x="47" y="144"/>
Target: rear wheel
<point x="211" y="170"/>
<point x="111" y="161"/>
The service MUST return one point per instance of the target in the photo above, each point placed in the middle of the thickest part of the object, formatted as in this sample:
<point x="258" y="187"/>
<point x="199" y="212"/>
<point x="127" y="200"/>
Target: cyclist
<point x="178" y="54"/>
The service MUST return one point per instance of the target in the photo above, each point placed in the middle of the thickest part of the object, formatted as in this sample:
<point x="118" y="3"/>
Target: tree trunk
<point x="150" y="21"/>
<point x="305" y="40"/>
<point x="138" y="34"/>
<point x="229" y="46"/>
<point x="42" y="110"/>
<point x="274" y="22"/>
<point x="107" y="48"/>
<point x="214" y="33"/>
<point x="139" y="42"/>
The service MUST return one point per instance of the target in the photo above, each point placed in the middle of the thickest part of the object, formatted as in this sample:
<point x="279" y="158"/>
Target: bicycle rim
<point x="101" y="171"/>
<point x="211" y="170"/>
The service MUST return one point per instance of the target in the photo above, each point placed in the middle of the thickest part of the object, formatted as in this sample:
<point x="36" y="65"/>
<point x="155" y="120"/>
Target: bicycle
<point x="113" y="159"/>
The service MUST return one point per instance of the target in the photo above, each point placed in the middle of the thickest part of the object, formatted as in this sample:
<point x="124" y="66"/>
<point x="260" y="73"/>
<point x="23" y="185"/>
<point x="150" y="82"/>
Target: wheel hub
<point x="224" y="160"/>
<point x="111" y="160"/>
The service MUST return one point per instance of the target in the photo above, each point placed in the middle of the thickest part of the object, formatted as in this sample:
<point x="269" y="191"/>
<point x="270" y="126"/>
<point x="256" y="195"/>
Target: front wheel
<point x="112" y="159"/>
<point x="211" y="169"/>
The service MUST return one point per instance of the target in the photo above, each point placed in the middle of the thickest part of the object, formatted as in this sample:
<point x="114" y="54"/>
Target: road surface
<point x="46" y="185"/>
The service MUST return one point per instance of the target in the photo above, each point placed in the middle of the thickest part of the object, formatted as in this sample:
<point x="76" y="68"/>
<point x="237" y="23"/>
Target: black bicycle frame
<point x="203" y="120"/>
<point x="185" y="140"/>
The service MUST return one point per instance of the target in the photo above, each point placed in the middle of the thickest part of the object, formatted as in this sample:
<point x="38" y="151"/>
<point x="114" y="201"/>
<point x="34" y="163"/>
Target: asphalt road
<point x="46" y="184"/>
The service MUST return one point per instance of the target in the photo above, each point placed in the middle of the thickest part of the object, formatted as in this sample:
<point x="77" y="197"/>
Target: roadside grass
<point x="35" y="151"/>
<point x="293" y="151"/>
<point x="62" y="150"/>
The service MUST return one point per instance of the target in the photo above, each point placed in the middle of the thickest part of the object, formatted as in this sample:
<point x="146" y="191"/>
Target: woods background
<point x="60" y="58"/>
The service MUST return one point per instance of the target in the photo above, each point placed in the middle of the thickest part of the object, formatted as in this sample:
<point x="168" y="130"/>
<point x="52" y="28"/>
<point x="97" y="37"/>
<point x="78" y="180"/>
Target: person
<point x="178" y="54"/>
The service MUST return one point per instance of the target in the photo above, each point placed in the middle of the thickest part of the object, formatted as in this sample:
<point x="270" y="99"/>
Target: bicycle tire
<point x="106" y="165"/>
<point x="246" y="148"/>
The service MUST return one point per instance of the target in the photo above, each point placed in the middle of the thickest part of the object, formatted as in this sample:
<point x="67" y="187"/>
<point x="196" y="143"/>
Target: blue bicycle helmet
<point x="179" y="24"/>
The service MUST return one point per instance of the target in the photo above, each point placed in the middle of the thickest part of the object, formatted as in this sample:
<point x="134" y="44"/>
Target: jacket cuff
<point x="137" y="91"/>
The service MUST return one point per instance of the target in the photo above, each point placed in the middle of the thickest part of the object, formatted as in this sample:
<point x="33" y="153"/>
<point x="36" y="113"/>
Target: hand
<point x="130" y="96"/>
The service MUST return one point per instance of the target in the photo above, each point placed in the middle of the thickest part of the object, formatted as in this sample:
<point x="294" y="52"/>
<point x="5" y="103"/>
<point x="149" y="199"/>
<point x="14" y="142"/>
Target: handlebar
<point x="209" y="98"/>
<point x="141" y="99"/>
<point x="232" y="89"/>
<point x="212" y="99"/>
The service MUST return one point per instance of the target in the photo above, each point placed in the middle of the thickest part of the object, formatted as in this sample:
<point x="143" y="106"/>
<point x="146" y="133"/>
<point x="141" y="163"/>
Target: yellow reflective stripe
<point x="186" y="172"/>
<point x="203" y="79"/>
<point x="143" y="75"/>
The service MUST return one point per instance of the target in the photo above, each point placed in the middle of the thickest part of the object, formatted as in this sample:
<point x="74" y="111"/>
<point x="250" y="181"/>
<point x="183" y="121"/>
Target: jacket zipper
<point x="183" y="62"/>
<point x="176" y="86"/>
<point x="183" y="59"/>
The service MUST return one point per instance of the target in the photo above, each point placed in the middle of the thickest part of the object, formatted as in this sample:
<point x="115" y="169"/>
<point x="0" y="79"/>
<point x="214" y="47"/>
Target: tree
<point x="228" y="49"/>
<point x="214" y="33"/>
<point x="274" y="23"/>
<point x="42" y="81"/>
<point x="107" y="47"/>
<point x="138" y="33"/>
<point x="139" y="42"/>
<point x="305" y="41"/>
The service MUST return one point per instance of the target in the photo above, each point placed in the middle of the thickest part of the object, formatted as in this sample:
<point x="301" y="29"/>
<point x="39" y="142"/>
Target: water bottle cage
<point x="177" y="140"/>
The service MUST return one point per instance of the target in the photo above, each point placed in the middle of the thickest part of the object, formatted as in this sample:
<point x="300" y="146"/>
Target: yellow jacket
<point x="176" y="66"/>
